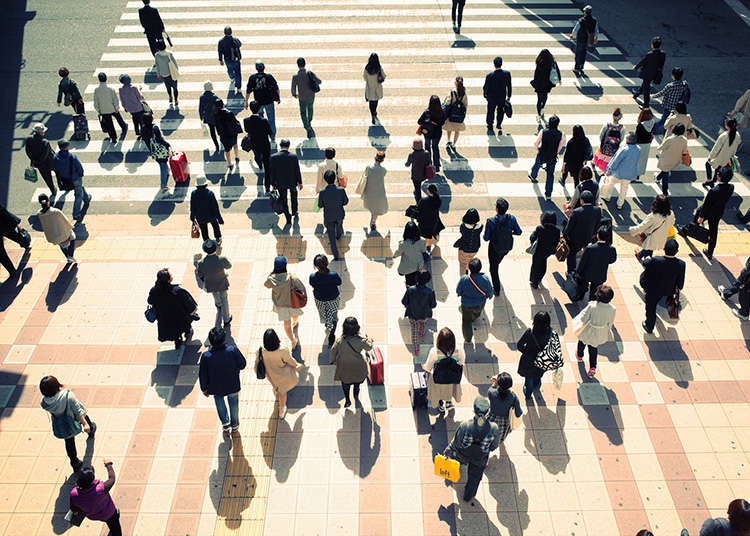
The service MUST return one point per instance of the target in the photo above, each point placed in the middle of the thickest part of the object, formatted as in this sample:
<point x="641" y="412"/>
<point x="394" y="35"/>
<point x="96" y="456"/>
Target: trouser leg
<point x="651" y="302"/>
<point x="113" y="524"/>
<point x="331" y="228"/>
<point x="5" y="259"/>
<point x="46" y="174"/>
<point x="473" y="479"/>
<point x="593" y="354"/>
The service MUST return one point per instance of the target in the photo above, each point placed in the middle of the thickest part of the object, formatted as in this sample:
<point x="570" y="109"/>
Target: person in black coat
<point x="650" y="68"/>
<point x="175" y="309"/>
<point x="332" y="200"/>
<point x="40" y="153"/>
<point x="259" y="130"/>
<point x="219" y="376"/>
<point x="741" y="287"/>
<point x="713" y="207"/>
<point x="544" y="239"/>
<point x="580" y="228"/>
<point x="207" y="111"/>
<point x="428" y="219"/>
<point x="497" y="89"/>
<point x="419" y="301"/>
<point x="228" y="128"/>
<point x="204" y="209"/>
<point x="660" y="277"/>
<point x="431" y="126"/>
<point x="596" y="258"/>
<point x="285" y="176"/>
<point x="152" y="24"/>
<point x="542" y="82"/>
<point x="577" y="151"/>
<point x="531" y="342"/>
<point x="10" y="227"/>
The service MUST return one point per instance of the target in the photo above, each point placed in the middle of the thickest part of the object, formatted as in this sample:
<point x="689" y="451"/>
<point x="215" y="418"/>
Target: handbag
<point x="696" y="232"/>
<point x="686" y="159"/>
<point x="246" y="144"/>
<point x="673" y="304"/>
<point x="412" y="212"/>
<point x="150" y="314"/>
<point x="260" y="366"/>
<point x="195" y="231"/>
<point x="557" y="378"/>
<point x="447" y="468"/>
<point x="550" y="357"/>
<point x="362" y="184"/>
<point x="562" y="250"/>
<point x="381" y="77"/>
<point x="297" y="297"/>
<point x="75" y="517"/>
<point x="343" y="181"/>
<point x="508" y="108"/>
<point x="159" y="151"/>
<point x="429" y="172"/>
<point x="30" y="174"/>
<point x="146" y="108"/>
<point x="419" y="130"/>
<point x="532" y="248"/>
<point x="734" y="163"/>
<point x="63" y="425"/>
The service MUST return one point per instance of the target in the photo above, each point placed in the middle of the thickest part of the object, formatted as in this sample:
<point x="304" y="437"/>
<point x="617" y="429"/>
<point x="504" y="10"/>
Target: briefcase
<point x="695" y="231"/>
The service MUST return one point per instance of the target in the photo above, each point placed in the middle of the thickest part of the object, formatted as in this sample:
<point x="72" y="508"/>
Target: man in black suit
<point x="580" y="228"/>
<point x="651" y="70"/>
<point x="596" y="258"/>
<point x="497" y="89"/>
<point x="285" y="176"/>
<point x="332" y="199"/>
<point x="713" y="207"/>
<point x="152" y="24"/>
<point x="660" y="277"/>
<point x="259" y="130"/>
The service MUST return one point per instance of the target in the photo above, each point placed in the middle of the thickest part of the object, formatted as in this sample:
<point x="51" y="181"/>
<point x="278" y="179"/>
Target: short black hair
<point x="330" y="153"/>
<point x="254" y="106"/>
<point x="678" y="129"/>
<point x="604" y="293"/>
<point x="85" y="477"/>
<point x="671" y="247"/>
<point x="217" y="337"/>
<point x="350" y="326"/>
<point x="497" y="62"/>
<point x="227" y="30"/>
<point x="677" y="73"/>
<point x="680" y="108"/>
<point x="300" y="62"/>
<point x="49" y="386"/>
<point x="549" y="217"/>
<point x="424" y="277"/>
<point x="102" y="77"/>
<point x="475" y="266"/>
<point x="501" y="205"/>
<point x="329" y="176"/>
<point x="411" y="231"/>
<point x="725" y="173"/>
<point x="553" y="122"/>
<point x="656" y="42"/>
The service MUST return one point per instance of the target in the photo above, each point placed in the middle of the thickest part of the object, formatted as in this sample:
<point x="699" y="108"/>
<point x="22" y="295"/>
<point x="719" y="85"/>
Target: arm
<point x="575" y="29"/>
<point x="718" y="146"/>
<point x="239" y="359"/>
<point x="345" y="202"/>
<point x="409" y="159"/>
<point x="509" y="85"/>
<point x="681" y="276"/>
<point x="538" y="140"/>
<point x="738" y="106"/>
<point x="643" y="227"/>
<point x="225" y="263"/>
<point x="294" y="86"/>
<point x="77" y="165"/>
<point x="221" y="56"/>
<point x="514" y="227"/>
<point x="561" y="144"/>
<point x="533" y="236"/>
<point x="111" y="478"/>
<point x="405" y="299"/>
<point x="488" y="230"/>
<point x="433" y="300"/>
<point x="517" y="407"/>
<point x="203" y="377"/>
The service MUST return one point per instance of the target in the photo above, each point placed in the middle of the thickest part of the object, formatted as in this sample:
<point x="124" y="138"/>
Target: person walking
<point x="329" y="164"/>
<point x="204" y="209"/>
<point x="132" y="102"/>
<point x="91" y="497"/>
<point x="412" y="250"/>
<point x="374" y="76"/>
<point x="470" y="239"/>
<point x="586" y="182"/>
<point x="68" y="92"/>
<point x="670" y="155"/>
<point x="230" y="56"/>
<point x="578" y="151"/>
<point x="428" y="216"/>
<point x="159" y="148"/>
<point x="304" y="87"/>
<point x="207" y="111"/>
<point x="259" y="130"/>
<point x="418" y="160"/>
<point x="499" y="231"/>
<point x="546" y="76"/>
<point x="680" y="115"/>
<point x="544" y="240"/>
<point x="724" y="149"/>
<point x="57" y="228"/>
<point x="592" y="268"/>
<point x="503" y="401"/>
<point x="610" y="137"/>
<point x="346" y="355"/>
<point x="282" y="370"/>
<point x="643" y="137"/>
<point x="285" y="177"/>
<point x="456" y="105"/>
<point x="152" y="25"/>
<point x="593" y="325"/>
<point x="419" y="301"/>
<point x="10" y="227"/>
<point x="548" y="144"/>
<point x="713" y="206"/>
<point x="675" y="91"/>
<point x="622" y="170"/>
<point x="107" y="105"/>
<point x="471" y="445"/>
<point x="740" y="112"/>
<point x="281" y="284"/>
<point x="69" y="416"/>
<point x="69" y="172"/>
<point x="497" y="89"/>
<point x="41" y="155"/>
<point x="373" y="193"/>
<point x="174" y="308"/>
<point x="741" y="287"/>
<point x="265" y="91"/>
<point x="650" y="69"/>
<point x="580" y="228"/>
<point x="167" y="71"/>
<point x="219" y="376"/>
<point x="457" y="14"/>
<point x="431" y="122"/>
<point x="332" y="200"/>
<point x="586" y="35"/>
<point x="444" y="368"/>
<point x="212" y="271"/>
<point x="661" y="276"/>
<point x="474" y="288"/>
<point x="228" y="128"/>
<point x="533" y="340"/>
<point x="652" y="232"/>
<point x="325" y="284"/>
<point x="737" y="522"/>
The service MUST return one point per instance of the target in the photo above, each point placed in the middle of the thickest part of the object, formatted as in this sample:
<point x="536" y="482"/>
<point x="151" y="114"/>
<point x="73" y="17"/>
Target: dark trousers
<point x="433" y="144"/>
<point x="212" y="132"/>
<point x="538" y="268"/>
<point x="113" y="524"/>
<point x="171" y="85"/>
<point x="262" y="157"/>
<point x="152" y="40"/>
<point x="457" y="11"/>
<point x="108" y="126"/>
<point x="468" y="316"/>
<point x="70" y="446"/>
<point x="580" y="54"/>
<point x="593" y="353"/>
<point x="549" y="168"/>
<point x="473" y="478"/>
<point x="346" y="387"/>
<point x="282" y="197"/>
<point x="744" y="299"/>
<point x="541" y="102"/>
<point x="417" y="189"/>
<point x="78" y="107"/>
<point x="663" y="176"/>
<point x="574" y="172"/>
<point x="495" y="257"/>
<point x="651" y="302"/>
<point x="710" y="172"/>
<point x="572" y="257"/>
<point x="531" y="384"/>
<point x="137" y="118"/>
<point x="5" y="259"/>
<point x="645" y="90"/>
<point x="120" y="120"/>
<point x="334" y="230"/>
<point x="713" y="233"/>
<point x="46" y="173"/>
<point x="495" y="104"/>
<point x="373" y="104"/>
<point x="204" y="229"/>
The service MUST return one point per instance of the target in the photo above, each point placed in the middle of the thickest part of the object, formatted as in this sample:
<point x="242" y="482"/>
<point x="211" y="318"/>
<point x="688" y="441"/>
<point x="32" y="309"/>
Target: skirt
<point x="450" y="126"/>
<point x="328" y="311"/>
<point x="442" y="391"/>
<point x="503" y="423"/>
<point x="286" y="313"/>
<point x="228" y="142"/>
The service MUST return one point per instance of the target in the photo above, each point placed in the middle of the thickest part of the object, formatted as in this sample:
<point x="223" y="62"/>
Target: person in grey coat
<point x="412" y="250"/>
<point x="332" y="200"/>
<point x="302" y="89"/>
<point x="346" y="354"/>
<point x="212" y="272"/>
<point x="418" y="159"/>
<point x="373" y="192"/>
<point x="204" y="209"/>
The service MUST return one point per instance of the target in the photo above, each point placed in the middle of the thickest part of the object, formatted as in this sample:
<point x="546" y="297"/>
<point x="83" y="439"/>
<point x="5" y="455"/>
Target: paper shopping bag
<point x="447" y="468"/>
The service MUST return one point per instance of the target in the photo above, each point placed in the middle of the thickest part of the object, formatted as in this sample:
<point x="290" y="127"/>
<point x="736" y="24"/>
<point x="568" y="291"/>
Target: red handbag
<point x="429" y="172"/>
<point x="297" y="297"/>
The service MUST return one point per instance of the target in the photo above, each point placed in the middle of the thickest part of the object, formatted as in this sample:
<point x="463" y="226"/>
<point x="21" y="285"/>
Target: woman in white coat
<point x="722" y="152"/>
<point x="594" y="324"/>
<point x="654" y="229"/>
<point x="374" y="76"/>
<point x="445" y="360"/>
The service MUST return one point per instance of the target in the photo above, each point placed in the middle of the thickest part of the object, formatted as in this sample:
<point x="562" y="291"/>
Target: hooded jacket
<point x="57" y="405"/>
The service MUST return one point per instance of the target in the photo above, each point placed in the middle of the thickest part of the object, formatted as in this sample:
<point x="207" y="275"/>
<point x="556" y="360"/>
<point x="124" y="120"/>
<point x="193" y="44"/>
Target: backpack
<point x="554" y="79"/>
<point x="447" y="371"/>
<point x="235" y="53"/>
<point x="612" y="139"/>
<point x="63" y="425"/>
<point x="502" y="238"/>
<point x="457" y="110"/>
<point x="314" y="82"/>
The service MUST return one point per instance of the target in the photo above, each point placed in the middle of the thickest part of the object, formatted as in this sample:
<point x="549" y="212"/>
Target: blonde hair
<point x="208" y="86"/>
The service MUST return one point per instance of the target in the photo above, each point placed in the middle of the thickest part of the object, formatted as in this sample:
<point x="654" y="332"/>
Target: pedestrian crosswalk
<point x="421" y="56"/>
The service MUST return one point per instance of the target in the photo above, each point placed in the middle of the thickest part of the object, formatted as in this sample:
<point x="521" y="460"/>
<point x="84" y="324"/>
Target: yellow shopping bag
<point x="447" y="468"/>
<point x="672" y="233"/>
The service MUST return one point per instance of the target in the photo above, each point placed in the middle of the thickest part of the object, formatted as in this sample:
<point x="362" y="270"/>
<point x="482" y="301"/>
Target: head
<point x="549" y="218"/>
<point x="481" y="410"/>
<point x="146" y="2"/>
<point x="411" y="231"/>
<point x="725" y="173"/>
<point x="85" y="477"/>
<point x="254" y="106"/>
<point x="124" y="79"/>
<point x="541" y="322"/>
<point x="585" y="175"/>
<point x="260" y="66"/>
<point x="39" y="129"/>
<point x="501" y="205"/>
<point x="423" y="277"/>
<point x="738" y="513"/>
<point x="731" y="126"/>
<point x="284" y="144"/>
<point x="677" y="73"/>
<point x="208" y="86"/>
<point x="678" y="129"/>
<point x="578" y="131"/>
<point x="63" y="72"/>
<point x="553" y="122"/>
<point x="630" y="138"/>
<point x="459" y="83"/>
<point x="617" y="114"/>
<point x="446" y="341"/>
<point x="661" y="205"/>
<point x="471" y="217"/>
<point x="656" y="43"/>
<point x="604" y="294"/>
<point x="63" y="145"/>
<point x="329" y="176"/>
<point x="475" y="266"/>
<point x="503" y="381"/>
<point x="644" y="532"/>
<point x="227" y="30"/>
<point x="587" y="9"/>
<point x="350" y="326"/>
<point x="102" y="77"/>
<point x="544" y="58"/>
<point x="330" y="153"/>
<point x="680" y="108"/>
<point x="279" y="264"/>
<point x="432" y="190"/>
<point x="417" y="144"/>
<point x="301" y="63"/>
<point x="379" y="156"/>
<point x="645" y="115"/>
<point x="49" y="386"/>
<point x="587" y="197"/>
<point x="321" y="263"/>
<point x="201" y="182"/>
<point x="373" y="63"/>
<point x="217" y="337"/>
<point x="271" y="341"/>
<point x="436" y="109"/>
<point x="219" y="104"/>
<point x="497" y="62"/>
<point x="163" y="277"/>
<point x="604" y="233"/>
<point x="161" y="45"/>
<point x="671" y="247"/>
<point x="210" y="247"/>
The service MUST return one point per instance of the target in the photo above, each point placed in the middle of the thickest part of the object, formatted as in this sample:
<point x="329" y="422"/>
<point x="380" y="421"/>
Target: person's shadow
<point x="12" y="287"/>
<point x="515" y="521"/>
<point x="309" y="153"/>
<point x="459" y="170"/>
<point x="170" y="121"/>
<point x="287" y="445"/>
<point x="547" y="443"/>
<point x="242" y="480"/>
<point x="379" y="137"/>
<point x="62" y="288"/>
<point x="369" y="443"/>
<point x="377" y="247"/>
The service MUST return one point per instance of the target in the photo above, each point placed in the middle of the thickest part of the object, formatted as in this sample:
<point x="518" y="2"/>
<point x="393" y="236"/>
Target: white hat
<point x="40" y="128"/>
<point x="201" y="181"/>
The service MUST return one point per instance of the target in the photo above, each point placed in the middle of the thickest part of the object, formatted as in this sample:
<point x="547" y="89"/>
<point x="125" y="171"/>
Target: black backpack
<point x="447" y="371"/>
<point x="502" y="237"/>
<point x="235" y="51"/>
<point x="457" y="112"/>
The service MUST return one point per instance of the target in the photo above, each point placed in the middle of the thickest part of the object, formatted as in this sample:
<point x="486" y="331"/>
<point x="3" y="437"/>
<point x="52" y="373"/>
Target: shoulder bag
<point x="673" y="304"/>
<point x="260" y="366"/>
<point x="483" y="293"/>
<point x="150" y="314"/>
<point x="195" y="231"/>
<point x="362" y="184"/>
<point x="297" y="297"/>
<point x="63" y="425"/>
<point x="642" y="236"/>
<point x="550" y="357"/>
<point x="343" y="180"/>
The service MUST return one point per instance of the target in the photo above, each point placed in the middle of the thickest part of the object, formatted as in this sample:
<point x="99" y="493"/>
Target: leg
<point x="137" y="118"/>
<point x="167" y="83"/>
<point x="108" y="125"/>
<point x="500" y="115"/>
<point x="152" y="39"/>
<point x="293" y="195"/>
<point x="494" y="271"/>
<point x="113" y="524"/>
<point x="538" y="269"/>
<point x="346" y="387"/>
<point x="550" y="179"/>
<point x="646" y="90"/>
<point x="212" y="131"/>
<point x="571" y="260"/>
<point x="234" y="409"/>
<point x="163" y="173"/>
<point x="303" y="115"/>
<point x="579" y="350"/>
<point x="289" y="333"/>
<point x="536" y="166"/>
<point x="70" y="449"/>
<point x="490" y="119"/>
<point x="651" y="302"/>
<point x="467" y="319"/>
<point x="744" y="299"/>
<point x="713" y="233"/>
<point x="217" y="229"/>
<point x="624" y="185"/>
<point x="271" y="114"/>
<point x="46" y="174"/>
<point x="283" y="200"/>
<point x="580" y="55"/>
<point x="4" y="259"/>
<point x="454" y="7"/>
<point x="460" y="16"/>
<point x="221" y="410"/>
<point x="176" y="92"/>
<point x="473" y="479"/>
<point x="593" y="354"/>
<point x="80" y="199"/>
<point x="414" y="335"/>
<point x="120" y="120"/>
<point x="528" y="387"/>
<point x="331" y="232"/>
<point x="373" y="104"/>
<point x="664" y="177"/>
<point x="204" y="230"/>
<point x="709" y="172"/>
<point x="417" y="189"/>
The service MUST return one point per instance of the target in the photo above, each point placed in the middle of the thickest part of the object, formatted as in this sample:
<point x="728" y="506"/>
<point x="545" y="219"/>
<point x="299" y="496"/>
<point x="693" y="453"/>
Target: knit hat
<point x="39" y="128"/>
<point x="209" y="246"/>
<point x="279" y="264"/>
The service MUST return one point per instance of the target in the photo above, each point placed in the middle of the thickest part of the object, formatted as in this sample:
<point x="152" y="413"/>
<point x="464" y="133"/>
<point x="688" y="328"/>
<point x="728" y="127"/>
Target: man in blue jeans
<point x="548" y="145"/>
<point x="69" y="172"/>
<point x="230" y="55"/>
<point x="473" y="288"/>
<point x="219" y="375"/>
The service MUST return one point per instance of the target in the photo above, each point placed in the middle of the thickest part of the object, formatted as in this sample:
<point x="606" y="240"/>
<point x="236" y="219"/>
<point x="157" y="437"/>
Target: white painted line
<point x="166" y="5"/>
<point x="742" y="11"/>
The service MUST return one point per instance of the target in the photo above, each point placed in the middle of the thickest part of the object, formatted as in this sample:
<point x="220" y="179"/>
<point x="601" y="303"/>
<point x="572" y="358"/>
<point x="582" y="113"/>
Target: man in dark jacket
<point x="260" y="132"/>
<point x="40" y="153"/>
<point x="152" y="24"/>
<point x="580" y="228"/>
<point x="304" y="90"/>
<point x="596" y="258"/>
<point x="204" y="209"/>
<point x="651" y="70"/>
<point x="69" y="173"/>
<point x="497" y="89"/>
<point x="212" y="273"/>
<point x="332" y="200"/>
<point x="230" y="56"/>
<point x="549" y="143"/>
<point x="219" y="375"/>
<point x="586" y="34"/>
<point x="499" y="231"/>
<point x="285" y="177"/>
<point x="713" y="207"/>
<point x="741" y="287"/>
<point x="265" y="90"/>
<point x="660" y="277"/>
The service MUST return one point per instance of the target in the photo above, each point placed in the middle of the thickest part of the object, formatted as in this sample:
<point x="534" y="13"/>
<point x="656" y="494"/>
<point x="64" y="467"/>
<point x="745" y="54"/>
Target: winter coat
<point x="282" y="370"/>
<point x="656" y="228"/>
<point x="596" y="319"/>
<point x="671" y="150"/>
<point x="373" y="87"/>
<point x="173" y="306"/>
<point x="106" y="100"/>
<point x="166" y="65"/>
<point x="325" y="165"/>
<point x="418" y="160"/>
<point x="428" y="219"/>
<point x="529" y="345"/>
<point x="281" y="288"/>
<point x="722" y="152"/>
<point x="219" y="371"/>
<point x="57" y="404"/>
<point x="346" y="354"/>
<point x="207" y="107"/>
<point x="541" y="82"/>
<point x="374" y="197"/>
<point x="56" y="225"/>
<point x="212" y="271"/>
<point x="547" y="237"/>
<point x="131" y="99"/>
<point x="203" y="206"/>
<point x="411" y="256"/>
<point x="470" y="239"/>
<point x="419" y="301"/>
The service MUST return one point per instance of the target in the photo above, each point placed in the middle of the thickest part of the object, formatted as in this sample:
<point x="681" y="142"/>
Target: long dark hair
<point x="732" y="128"/>
<point x="460" y="89"/>
<point x="435" y="109"/>
<point x="373" y="64"/>
<point x="541" y="322"/>
<point x="545" y="59"/>
<point x="446" y="341"/>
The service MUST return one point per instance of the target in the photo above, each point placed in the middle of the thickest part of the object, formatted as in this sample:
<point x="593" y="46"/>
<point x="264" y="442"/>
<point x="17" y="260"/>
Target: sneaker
<point x="347" y="403"/>
<point x="643" y="325"/>
<point x="547" y="198"/>
<point x="71" y="260"/>
<point x="592" y="372"/>
<point x="739" y="315"/>
<point x="441" y="406"/>
<point x="722" y="292"/>
<point x="532" y="179"/>
<point x="708" y="255"/>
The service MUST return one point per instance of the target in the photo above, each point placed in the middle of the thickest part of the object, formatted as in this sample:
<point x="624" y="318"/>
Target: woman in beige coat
<point x="374" y="76"/>
<point x="325" y="165"/>
<point x="723" y="150"/>
<point x="441" y="395"/>
<point x="670" y="155"/>
<point x="372" y="189"/>
<point x="281" y="283"/>
<point x="282" y="370"/>
<point x="654" y="228"/>
<point x="346" y="354"/>
<point x="594" y="324"/>
<point x="680" y="115"/>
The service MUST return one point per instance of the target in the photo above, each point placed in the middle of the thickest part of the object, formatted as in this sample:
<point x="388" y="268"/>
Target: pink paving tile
<point x="200" y="443"/>
<point x="183" y="524"/>
<point x="615" y="467"/>
<point x="733" y="349"/>
<point x="30" y="335"/>
<point x="204" y="419"/>
<point x="702" y="393"/>
<point x="693" y="517"/>
<point x="676" y="466"/>
<point x="131" y="397"/>
<point x="196" y="470"/>
<point x="704" y="350"/>
<point x="374" y="498"/>
<point x="674" y="394"/>
<point x="729" y="392"/>
<point x="135" y="469"/>
<point x="656" y="416"/>
<point x="128" y="497"/>
<point x="143" y="443"/>
<point x="375" y="524"/>
<point x="665" y="440"/>
<point x="103" y="397"/>
<point x="745" y="386"/>
<point x="631" y="521"/>
<point x="686" y="494"/>
<point x="638" y="371"/>
<point x="188" y="498"/>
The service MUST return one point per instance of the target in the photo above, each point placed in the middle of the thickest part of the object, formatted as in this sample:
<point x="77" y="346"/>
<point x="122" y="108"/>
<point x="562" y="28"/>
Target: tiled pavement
<point x="660" y="440"/>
